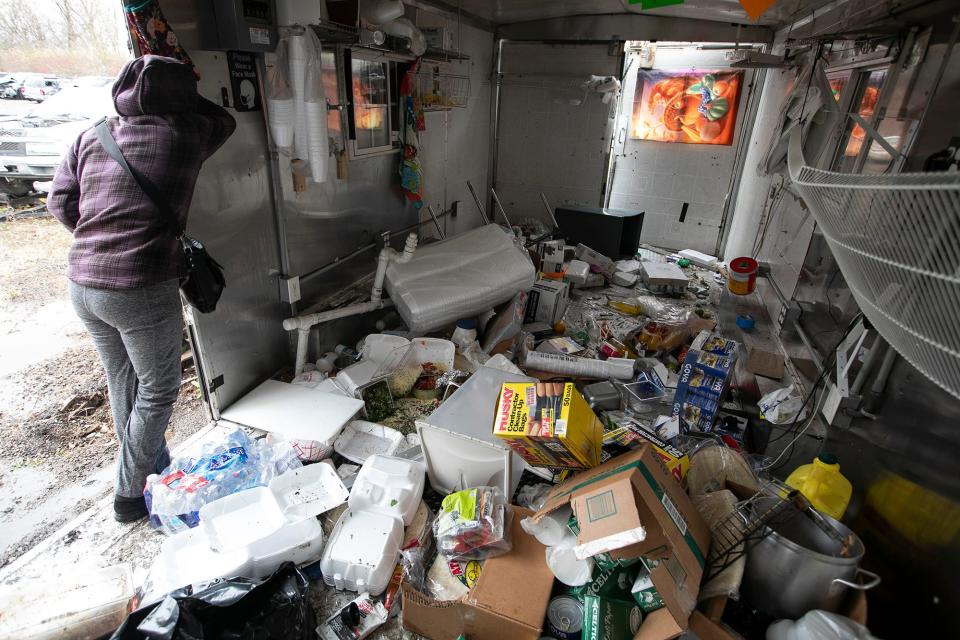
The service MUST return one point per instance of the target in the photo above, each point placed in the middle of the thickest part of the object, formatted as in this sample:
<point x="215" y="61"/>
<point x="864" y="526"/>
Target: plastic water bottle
<point x="823" y="485"/>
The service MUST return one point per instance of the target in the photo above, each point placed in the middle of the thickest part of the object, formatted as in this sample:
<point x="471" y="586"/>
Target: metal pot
<point x="797" y="567"/>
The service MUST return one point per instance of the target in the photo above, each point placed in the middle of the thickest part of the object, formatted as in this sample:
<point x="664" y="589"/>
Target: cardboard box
<point x="551" y="255"/>
<point x="508" y="600"/>
<point x="628" y="432"/>
<point x="548" y="425"/>
<point x="631" y="493"/>
<point x="547" y="301"/>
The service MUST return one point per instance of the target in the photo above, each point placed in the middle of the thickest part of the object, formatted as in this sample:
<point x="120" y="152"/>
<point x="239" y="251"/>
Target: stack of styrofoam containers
<point x="318" y="151"/>
<point x="298" y="55"/>
<point x="281" y="114"/>
<point x="251" y="533"/>
<point x="362" y="550"/>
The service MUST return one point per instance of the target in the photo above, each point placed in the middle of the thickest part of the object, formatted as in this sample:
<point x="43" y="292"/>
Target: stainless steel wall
<point x="247" y="212"/>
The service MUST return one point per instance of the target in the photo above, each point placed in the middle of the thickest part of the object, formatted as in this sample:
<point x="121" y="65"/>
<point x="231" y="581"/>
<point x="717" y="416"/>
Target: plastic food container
<point x="186" y="558"/>
<point x="235" y="521"/>
<point x="380" y="347"/>
<point x="392" y="486"/>
<point x="79" y="604"/>
<point x="241" y="519"/>
<point x="300" y="543"/>
<point x="360" y="439"/>
<point x="362" y="551"/>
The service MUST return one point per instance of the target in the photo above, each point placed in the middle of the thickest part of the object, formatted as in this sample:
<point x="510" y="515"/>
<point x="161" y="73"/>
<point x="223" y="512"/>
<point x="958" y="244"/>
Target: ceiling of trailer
<point x="513" y="11"/>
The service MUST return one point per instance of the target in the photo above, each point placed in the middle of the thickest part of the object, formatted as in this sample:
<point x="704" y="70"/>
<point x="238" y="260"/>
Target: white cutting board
<point x="294" y="411"/>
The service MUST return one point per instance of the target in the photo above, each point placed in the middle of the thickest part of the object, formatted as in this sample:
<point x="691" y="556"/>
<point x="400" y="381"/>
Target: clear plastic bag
<point x="281" y="112"/>
<point x="532" y="496"/>
<point x="315" y="107"/>
<point x="473" y="524"/>
<point x="224" y="466"/>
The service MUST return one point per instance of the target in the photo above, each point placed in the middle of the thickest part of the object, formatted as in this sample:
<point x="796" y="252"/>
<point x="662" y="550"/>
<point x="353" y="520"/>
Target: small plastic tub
<point x="380" y="347"/>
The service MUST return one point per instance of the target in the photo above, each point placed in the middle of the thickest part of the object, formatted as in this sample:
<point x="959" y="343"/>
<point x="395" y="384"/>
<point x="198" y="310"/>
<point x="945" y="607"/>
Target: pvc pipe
<point x="403" y="28"/>
<point x="303" y="324"/>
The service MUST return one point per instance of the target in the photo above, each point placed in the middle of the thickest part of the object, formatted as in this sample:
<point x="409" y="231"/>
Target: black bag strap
<point x="113" y="150"/>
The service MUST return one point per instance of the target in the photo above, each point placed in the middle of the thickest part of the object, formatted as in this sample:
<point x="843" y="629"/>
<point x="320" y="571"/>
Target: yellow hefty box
<point x="548" y="424"/>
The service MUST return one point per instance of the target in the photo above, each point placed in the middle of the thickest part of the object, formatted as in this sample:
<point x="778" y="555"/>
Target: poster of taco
<point x="693" y="107"/>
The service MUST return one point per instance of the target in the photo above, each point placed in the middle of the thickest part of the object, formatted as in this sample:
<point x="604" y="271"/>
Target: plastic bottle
<point x="823" y="485"/>
<point x="465" y="333"/>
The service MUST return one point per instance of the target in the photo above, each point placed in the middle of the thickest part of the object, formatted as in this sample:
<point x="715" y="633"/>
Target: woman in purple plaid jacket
<point x="125" y="262"/>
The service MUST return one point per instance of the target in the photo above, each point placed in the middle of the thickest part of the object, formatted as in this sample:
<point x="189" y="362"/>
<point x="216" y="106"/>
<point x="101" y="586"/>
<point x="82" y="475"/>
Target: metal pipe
<point x="336" y="262"/>
<point x="476" y="198"/>
<point x="546" y="205"/>
<point x="496" y="199"/>
<point x="808" y="343"/>
<point x="877" y="349"/>
<point x="436" y="222"/>
<point x="888" y="361"/>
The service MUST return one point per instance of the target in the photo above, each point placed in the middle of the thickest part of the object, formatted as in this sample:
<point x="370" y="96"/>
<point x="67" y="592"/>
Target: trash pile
<point x="561" y="466"/>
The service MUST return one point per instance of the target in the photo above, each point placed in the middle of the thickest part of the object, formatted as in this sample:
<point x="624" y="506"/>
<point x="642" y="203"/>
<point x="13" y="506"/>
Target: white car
<point x="31" y="147"/>
<point x="39" y="89"/>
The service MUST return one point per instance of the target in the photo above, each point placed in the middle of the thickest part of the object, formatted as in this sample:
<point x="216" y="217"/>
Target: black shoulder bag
<point x="204" y="282"/>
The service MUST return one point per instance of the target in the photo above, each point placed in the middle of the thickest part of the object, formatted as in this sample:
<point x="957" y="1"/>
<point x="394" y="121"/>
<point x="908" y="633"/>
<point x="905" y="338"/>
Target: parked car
<point x="40" y="88"/>
<point x="14" y="89"/>
<point x="31" y="147"/>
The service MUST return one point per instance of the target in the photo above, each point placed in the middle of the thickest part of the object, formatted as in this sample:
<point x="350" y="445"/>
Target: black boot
<point x="129" y="509"/>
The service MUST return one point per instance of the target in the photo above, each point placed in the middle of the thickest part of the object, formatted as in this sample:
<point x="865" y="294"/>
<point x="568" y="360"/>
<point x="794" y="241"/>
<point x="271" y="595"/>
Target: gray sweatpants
<point x="137" y="333"/>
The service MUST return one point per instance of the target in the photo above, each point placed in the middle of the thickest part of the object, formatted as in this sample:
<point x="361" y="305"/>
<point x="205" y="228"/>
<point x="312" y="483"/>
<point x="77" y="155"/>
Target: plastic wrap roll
<point x="458" y="278"/>
<point x="619" y="368"/>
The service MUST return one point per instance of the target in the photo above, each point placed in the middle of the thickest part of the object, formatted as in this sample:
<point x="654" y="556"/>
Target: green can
<point x="610" y="618"/>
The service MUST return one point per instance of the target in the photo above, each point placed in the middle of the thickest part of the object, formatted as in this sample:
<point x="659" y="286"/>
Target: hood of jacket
<point x="154" y="85"/>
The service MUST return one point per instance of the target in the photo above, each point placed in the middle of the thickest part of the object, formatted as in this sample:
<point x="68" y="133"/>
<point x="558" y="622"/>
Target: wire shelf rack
<point x="896" y="239"/>
<point x="440" y="91"/>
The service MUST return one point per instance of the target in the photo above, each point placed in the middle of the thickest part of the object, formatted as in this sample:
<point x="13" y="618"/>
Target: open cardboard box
<point x="509" y="599"/>
<point x="634" y="497"/>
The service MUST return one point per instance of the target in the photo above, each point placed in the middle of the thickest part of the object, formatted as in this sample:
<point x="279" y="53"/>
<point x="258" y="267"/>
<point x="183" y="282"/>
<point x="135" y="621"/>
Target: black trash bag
<point x="236" y="609"/>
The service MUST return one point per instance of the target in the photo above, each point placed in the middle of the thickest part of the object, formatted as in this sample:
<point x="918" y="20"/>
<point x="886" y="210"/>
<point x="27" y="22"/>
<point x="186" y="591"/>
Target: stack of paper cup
<point x="281" y="115"/>
<point x="317" y="140"/>
<point x="299" y="53"/>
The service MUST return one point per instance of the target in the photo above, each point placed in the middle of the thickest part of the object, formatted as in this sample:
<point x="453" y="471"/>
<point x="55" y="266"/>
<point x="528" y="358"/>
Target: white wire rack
<point x="438" y="90"/>
<point x="896" y="239"/>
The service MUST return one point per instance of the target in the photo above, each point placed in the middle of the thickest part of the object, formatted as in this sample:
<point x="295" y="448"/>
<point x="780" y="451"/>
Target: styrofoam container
<point x="308" y="491"/>
<point x="392" y="486"/>
<point x="379" y="347"/>
<point x="360" y="439"/>
<point x="300" y="543"/>
<point x="362" y="551"/>
<point x="186" y="558"/>
<point x="439" y="352"/>
<point x="239" y="519"/>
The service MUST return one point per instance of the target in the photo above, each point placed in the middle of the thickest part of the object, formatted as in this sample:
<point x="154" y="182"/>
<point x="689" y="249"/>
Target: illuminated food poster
<point x="683" y="106"/>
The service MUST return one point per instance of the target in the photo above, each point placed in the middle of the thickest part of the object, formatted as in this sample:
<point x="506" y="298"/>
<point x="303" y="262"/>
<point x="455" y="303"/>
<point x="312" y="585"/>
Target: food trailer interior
<point x="517" y="125"/>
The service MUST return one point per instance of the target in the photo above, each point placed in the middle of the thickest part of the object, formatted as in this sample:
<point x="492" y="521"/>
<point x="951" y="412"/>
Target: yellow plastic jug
<point x="823" y="485"/>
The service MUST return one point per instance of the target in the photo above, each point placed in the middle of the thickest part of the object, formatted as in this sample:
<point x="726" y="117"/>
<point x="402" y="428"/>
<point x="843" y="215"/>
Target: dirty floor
<point x="56" y="437"/>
